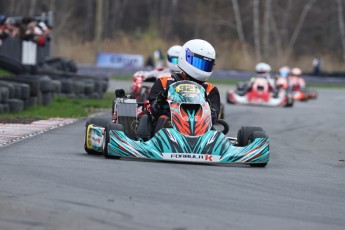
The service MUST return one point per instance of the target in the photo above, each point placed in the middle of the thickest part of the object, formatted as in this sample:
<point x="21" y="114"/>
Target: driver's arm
<point x="214" y="101"/>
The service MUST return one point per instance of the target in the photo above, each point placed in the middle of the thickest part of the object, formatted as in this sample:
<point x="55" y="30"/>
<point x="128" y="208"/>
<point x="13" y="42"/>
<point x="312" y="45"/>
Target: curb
<point x="11" y="133"/>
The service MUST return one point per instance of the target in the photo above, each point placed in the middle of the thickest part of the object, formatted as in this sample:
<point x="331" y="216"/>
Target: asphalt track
<point x="49" y="182"/>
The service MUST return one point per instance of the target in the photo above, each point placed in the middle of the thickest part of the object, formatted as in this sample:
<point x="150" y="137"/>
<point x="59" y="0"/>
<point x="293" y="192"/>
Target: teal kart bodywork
<point x="191" y="136"/>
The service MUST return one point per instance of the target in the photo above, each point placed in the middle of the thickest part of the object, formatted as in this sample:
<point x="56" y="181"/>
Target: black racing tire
<point x="79" y="87"/>
<point x="29" y="102"/>
<point x="253" y="135"/>
<point x="56" y="86"/>
<point x="105" y="86"/>
<point x="46" y="84"/>
<point x="290" y="101"/>
<point x="15" y="105"/>
<point x="67" y="86"/>
<point x="5" y="108"/>
<point x="244" y="133"/>
<point x="47" y="98"/>
<point x="4" y="94"/>
<point x="99" y="86"/>
<point x="10" y="87"/>
<point x="89" y="86"/>
<point x="110" y="126"/>
<point x="97" y="122"/>
<point x="17" y="91"/>
<point x="11" y="65"/>
<point x="221" y="112"/>
<point x="25" y="91"/>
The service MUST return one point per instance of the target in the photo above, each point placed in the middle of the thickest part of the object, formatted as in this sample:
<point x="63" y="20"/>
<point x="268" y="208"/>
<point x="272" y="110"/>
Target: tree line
<point x="260" y="29"/>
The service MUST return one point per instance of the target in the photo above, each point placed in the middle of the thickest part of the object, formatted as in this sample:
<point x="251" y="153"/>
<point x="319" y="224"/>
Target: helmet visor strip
<point x="199" y="62"/>
<point x="173" y="59"/>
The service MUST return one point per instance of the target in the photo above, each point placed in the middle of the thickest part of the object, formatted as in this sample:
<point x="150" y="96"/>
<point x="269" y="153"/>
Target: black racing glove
<point x="162" y="97"/>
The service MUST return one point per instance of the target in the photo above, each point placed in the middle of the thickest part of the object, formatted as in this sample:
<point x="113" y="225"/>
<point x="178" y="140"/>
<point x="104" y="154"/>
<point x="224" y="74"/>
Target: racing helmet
<point x="296" y="71"/>
<point x="262" y="68"/>
<point x="197" y="59"/>
<point x="172" y="57"/>
<point x="284" y="71"/>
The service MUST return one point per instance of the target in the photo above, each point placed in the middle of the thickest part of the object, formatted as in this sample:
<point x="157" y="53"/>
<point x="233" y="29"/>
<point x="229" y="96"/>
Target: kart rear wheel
<point x="110" y="126"/>
<point x="244" y="133"/>
<point x="253" y="135"/>
<point x="221" y="112"/>
<point x="289" y="100"/>
<point x="101" y="122"/>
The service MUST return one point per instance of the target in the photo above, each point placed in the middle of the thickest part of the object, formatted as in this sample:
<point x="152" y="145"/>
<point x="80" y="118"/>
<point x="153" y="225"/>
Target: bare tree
<point x="266" y="29"/>
<point x="300" y="23"/>
<point x="239" y="28"/>
<point x="341" y="26"/>
<point x="256" y="28"/>
<point x="32" y="7"/>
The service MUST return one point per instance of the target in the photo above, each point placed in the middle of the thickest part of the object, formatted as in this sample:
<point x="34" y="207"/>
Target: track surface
<point x="48" y="182"/>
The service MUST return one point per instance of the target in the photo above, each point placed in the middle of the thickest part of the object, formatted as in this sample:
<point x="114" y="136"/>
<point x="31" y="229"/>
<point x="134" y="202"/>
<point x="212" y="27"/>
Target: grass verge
<point x="65" y="108"/>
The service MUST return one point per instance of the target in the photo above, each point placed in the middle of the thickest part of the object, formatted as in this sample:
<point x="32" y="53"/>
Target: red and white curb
<point x="10" y="133"/>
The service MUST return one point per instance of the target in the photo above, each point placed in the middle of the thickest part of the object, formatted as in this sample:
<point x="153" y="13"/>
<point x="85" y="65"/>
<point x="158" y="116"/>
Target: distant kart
<point x="299" y="93"/>
<point x="190" y="137"/>
<point x="140" y="89"/>
<point x="259" y="94"/>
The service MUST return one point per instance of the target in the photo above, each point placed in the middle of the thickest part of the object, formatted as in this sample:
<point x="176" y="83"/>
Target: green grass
<point x="4" y="73"/>
<point x="66" y="108"/>
<point x="122" y="77"/>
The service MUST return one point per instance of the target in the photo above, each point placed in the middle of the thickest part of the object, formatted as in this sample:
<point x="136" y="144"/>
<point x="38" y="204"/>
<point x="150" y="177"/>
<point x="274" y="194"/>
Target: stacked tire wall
<point x="39" y="85"/>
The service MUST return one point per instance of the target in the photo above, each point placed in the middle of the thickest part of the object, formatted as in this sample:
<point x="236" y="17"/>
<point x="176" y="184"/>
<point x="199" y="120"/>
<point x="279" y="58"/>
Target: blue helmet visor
<point x="199" y="62"/>
<point x="284" y="73"/>
<point x="173" y="59"/>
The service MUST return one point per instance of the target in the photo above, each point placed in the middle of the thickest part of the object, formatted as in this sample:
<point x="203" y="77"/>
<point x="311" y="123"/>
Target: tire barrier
<point x="38" y="85"/>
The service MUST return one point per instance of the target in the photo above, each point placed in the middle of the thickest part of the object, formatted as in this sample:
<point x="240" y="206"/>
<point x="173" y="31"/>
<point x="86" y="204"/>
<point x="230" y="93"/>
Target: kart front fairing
<point x="191" y="137"/>
<point x="169" y="144"/>
<point x="190" y="112"/>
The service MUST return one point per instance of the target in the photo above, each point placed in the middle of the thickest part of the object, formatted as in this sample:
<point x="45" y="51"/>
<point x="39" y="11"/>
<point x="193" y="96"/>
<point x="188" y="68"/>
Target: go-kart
<point x="293" y="85"/>
<point x="142" y="81"/>
<point x="259" y="94"/>
<point x="190" y="137"/>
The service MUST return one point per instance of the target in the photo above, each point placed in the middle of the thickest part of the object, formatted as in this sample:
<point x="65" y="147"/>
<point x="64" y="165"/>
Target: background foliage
<point x="243" y="32"/>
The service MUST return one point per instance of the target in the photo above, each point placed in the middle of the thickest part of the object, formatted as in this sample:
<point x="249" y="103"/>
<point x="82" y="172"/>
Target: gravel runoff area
<point x="11" y="132"/>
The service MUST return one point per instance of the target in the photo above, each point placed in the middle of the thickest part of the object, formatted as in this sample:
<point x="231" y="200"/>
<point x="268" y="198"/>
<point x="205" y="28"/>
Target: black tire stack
<point x="38" y="85"/>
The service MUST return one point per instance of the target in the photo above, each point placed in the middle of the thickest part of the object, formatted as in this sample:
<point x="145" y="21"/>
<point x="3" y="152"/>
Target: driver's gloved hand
<point x="162" y="97"/>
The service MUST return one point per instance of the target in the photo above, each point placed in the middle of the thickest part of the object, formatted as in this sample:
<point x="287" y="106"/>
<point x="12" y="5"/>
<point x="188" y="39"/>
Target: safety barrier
<point x="17" y="49"/>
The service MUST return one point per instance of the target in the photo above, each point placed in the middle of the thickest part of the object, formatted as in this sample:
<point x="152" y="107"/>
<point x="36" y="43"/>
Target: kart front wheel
<point x="244" y="133"/>
<point x="252" y="137"/>
<point x="101" y="122"/>
<point x="110" y="126"/>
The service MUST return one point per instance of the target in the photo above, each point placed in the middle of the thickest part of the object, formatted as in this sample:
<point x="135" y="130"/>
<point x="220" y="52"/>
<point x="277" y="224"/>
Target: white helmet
<point x="172" y="57"/>
<point x="296" y="71"/>
<point x="284" y="71"/>
<point x="197" y="59"/>
<point x="262" y="68"/>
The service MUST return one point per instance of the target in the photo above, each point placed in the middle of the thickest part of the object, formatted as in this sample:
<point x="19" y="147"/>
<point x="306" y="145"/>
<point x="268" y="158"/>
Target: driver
<point x="150" y="76"/>
<point x="196" y="61"/>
